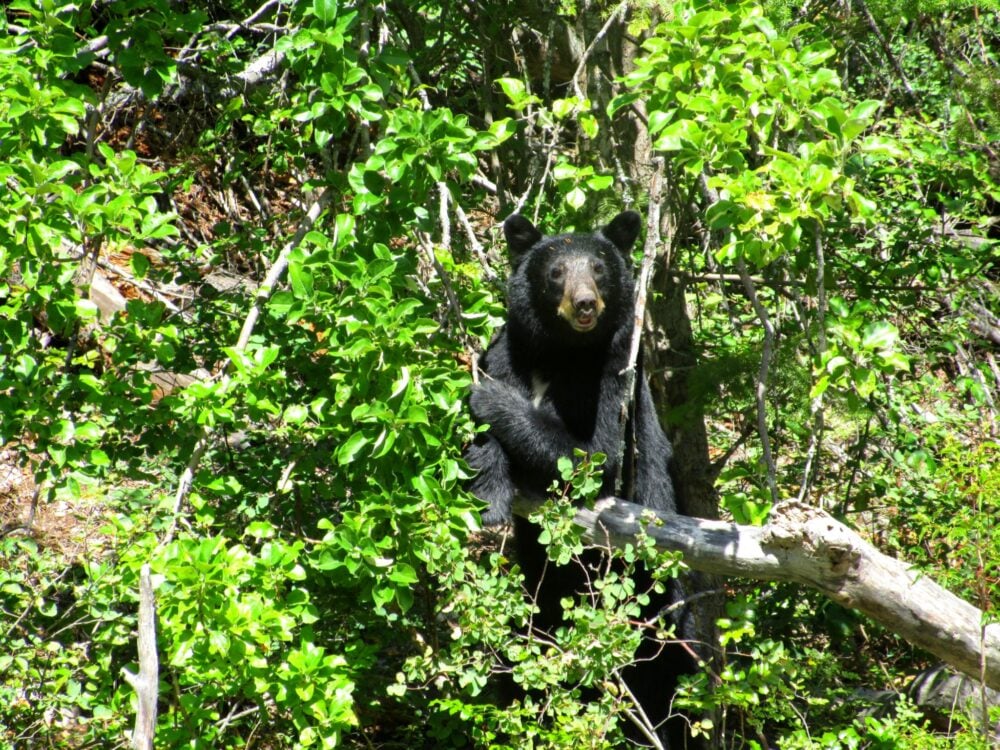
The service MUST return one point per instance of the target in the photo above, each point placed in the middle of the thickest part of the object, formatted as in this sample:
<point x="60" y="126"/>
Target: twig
<point x="765" y="361"/>
<point x="597" y="38"/>
<point x="637" y="716"/>
<point x="264" y="291"/>
<point x="639" y="314"/>
<point x="816" y="407"/>
<point x="716" y="467"/>
<point x="443" y="214"/>
<point x="425" y="242"/>
<point x="252" y="18"/>
<point x="485" y="182"/>
<point x="428" y="247"/>
<point x="886" y="49"/>
<point x="474" y="243"/>
<point x="731" y="277"/>
<point x="765" y="365"/>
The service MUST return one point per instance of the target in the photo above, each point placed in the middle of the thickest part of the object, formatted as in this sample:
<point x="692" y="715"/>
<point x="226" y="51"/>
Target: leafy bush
<point x="296" y="204"/>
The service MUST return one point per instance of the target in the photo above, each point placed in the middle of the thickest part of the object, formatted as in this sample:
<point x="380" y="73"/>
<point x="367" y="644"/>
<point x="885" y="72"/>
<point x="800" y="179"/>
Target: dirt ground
<point x="67" y="525"/>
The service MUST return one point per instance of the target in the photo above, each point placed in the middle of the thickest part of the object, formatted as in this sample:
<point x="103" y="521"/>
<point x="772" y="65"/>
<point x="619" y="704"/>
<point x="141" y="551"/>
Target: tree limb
<point x="264" y="291"/>
<point x="803" y="544"/>
<point x="146" y="683"/>
<point x="765" y="365"/>
<point x="641" y="291"/>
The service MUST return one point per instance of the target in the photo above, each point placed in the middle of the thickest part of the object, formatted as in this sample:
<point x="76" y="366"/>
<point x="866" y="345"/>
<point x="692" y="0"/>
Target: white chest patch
<point x="538" y="389"/>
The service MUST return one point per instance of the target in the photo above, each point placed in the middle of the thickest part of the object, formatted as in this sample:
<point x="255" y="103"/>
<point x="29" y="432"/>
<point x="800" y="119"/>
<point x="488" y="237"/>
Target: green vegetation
<point x="290" y="213"/>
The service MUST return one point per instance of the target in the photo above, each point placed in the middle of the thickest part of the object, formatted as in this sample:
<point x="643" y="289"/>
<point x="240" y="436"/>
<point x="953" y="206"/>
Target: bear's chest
<point x="573" y="398"/>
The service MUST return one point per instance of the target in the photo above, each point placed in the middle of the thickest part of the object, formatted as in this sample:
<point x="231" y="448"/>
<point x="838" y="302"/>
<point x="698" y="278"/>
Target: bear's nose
<point x="585" y="302"/>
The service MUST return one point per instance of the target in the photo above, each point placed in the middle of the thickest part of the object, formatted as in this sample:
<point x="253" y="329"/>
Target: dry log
<point x="146" y="683"/>
<point x="805" y="545"/>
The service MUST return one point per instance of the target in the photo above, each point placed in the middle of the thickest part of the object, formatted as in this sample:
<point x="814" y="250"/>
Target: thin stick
<point x="474" y="243"/>
<point x="274" y="275"/>
<point x="816" y="407"/>
<point x="886" y="49"/>
<point x="637" y="716"/>
<point x="641" y="288"/>
<point x="620" y="10"/>
<point x="765" y="365"/>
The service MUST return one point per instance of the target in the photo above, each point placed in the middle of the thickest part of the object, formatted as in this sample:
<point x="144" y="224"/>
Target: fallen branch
<point x="803" y="544"/>
<point x="147" y="682"/>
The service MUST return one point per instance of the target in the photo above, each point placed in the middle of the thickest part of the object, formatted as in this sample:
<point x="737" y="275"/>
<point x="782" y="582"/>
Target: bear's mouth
<point x="583" y="322"/>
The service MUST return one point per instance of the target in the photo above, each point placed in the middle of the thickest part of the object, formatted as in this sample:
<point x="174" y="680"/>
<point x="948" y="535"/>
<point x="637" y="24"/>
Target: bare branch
<point x="614" y="16"/>
<point x="765" y="366"/>
<point x="886" y="49"/>
<point x="639" y="315"/>
<point x="146" y="683"/>
<point x="816" y="407"/>
<point x="803" y="544"/>
<point x="264" y="292"/>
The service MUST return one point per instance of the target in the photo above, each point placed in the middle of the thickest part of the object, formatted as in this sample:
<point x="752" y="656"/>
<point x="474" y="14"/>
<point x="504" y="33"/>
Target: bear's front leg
<point x="534" y="437"/>
<point x="492" y="483"/>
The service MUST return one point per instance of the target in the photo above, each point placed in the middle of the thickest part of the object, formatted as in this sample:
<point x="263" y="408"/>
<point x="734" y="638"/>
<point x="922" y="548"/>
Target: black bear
<point x="553" y="380"/>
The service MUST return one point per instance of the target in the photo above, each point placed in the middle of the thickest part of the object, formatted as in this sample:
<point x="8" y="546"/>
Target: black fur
<point x="531" y="426"/>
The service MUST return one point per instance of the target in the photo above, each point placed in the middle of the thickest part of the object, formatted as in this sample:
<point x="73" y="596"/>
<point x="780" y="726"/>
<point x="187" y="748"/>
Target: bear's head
<point x="572" y="288"/>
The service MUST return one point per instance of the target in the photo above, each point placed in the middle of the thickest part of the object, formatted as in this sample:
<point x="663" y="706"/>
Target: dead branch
<point x="146" y="683"/>
<point x="803" y="544"/>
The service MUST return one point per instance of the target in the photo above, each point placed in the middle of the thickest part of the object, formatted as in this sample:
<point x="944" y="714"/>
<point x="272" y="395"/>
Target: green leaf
<point x="815" y="54"/>
<point x="860" y="118"/>
<point x="622" y="100"/>
<point x="708" y="18"/>
<point x="140" y="264"/>
<point x="295" y="414"/>
<point x="350" y="448"/>
<point x="600" y="182"/>
<point x="325" y="10"/>
<point x="564" y="171"/>
<point x="301" y="280"/>
<point x="866" y="109"/>
<point x="880" y="145"/>
<point x="576" y="198"/>
<point x="658" y="119"/>
<point x="880" y="335"/>
<point x="819" y="387"/>
<point x="678" y="135"/>
<point x="864" y="381"/>
<point x="765" y="27"/>
<point x="512" y="87"/>
<point x="562" y="108"/>
<point x="403" y="574"/>
<point x="86" y="309"/>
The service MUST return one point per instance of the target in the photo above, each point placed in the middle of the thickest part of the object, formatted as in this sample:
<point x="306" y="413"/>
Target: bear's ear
<point x="520" y="233"/>
<point x="623" y="230"/>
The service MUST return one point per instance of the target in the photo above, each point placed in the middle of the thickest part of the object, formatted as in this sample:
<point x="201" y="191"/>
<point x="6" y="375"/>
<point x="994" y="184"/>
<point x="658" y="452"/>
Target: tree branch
<point x="761" y="387"/>
<point x="802" y="544"/>
<point x="641" y="291"/>
<point x="146" y="683"/>
<point x="264" y="291"/>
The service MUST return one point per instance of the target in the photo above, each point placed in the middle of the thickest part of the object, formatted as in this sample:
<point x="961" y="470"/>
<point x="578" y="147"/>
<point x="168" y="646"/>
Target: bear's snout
<point x="581" y="305"/>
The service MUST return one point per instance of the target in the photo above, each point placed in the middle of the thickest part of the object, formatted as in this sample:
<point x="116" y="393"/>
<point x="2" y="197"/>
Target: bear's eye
<point x="599" y="268"/>
<point x="556" y="273"/>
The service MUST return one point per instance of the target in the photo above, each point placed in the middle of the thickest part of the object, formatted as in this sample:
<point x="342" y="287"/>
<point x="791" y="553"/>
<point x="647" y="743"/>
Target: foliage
<point x="284" y="451"/>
